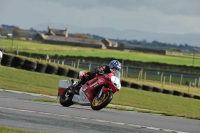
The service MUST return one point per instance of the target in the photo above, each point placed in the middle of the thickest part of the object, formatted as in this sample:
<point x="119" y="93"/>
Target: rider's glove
<point x="98" y="70"/>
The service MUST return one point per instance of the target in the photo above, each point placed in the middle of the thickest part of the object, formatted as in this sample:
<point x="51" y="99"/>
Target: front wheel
<point x="66" y="99"/>
<point x="103" y="101"/>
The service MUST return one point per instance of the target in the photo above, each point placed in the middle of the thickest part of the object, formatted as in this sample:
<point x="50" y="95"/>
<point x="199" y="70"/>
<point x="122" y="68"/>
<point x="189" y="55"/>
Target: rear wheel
<point x="103" y="101"/>
<point x="66" y="99"/>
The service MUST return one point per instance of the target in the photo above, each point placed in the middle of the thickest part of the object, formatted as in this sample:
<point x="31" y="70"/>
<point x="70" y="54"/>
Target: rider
<point x="113" y="65"/>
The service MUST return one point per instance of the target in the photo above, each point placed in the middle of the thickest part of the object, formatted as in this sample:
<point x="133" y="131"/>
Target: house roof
<point x="106" y="39"/>
<point x="73" y="39"/>
<point x="42" y="35"/>
<point x="58" y="32"/>
<point x="110" y="41"/>
<point x="113" y="42"/>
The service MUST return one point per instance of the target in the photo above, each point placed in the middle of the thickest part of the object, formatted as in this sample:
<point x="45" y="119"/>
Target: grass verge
<point x="12" y="130"/>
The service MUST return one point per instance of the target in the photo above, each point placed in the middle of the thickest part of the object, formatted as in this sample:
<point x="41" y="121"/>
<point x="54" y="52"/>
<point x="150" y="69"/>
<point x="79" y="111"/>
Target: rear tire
<point x="66" y="99"/>
<point x="103" y="102"/>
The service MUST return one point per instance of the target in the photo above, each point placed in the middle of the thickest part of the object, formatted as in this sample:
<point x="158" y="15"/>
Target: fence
<point x="141" y="74"/>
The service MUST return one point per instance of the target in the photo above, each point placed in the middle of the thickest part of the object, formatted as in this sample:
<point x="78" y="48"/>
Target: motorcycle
<point x="96" y="93"/>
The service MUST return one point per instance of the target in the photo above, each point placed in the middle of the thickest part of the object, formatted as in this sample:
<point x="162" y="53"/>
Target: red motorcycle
<point x="96" y="93"/>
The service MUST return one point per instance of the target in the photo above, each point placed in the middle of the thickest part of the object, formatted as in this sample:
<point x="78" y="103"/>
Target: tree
<point x="4" y="32"/>
<point x="1" y="30"/>
<point x="144" y="42"/>
<point x="122" y="45"/>
<point x="17" y="32"/>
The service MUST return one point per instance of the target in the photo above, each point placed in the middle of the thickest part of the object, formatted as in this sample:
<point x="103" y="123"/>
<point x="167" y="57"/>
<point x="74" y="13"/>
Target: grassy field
<point x="12" y="130"/>
<point x="21" y="80"/>
<point x="40" y="48"/>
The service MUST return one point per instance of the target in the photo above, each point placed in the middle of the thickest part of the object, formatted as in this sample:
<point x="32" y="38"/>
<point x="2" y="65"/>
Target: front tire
<point x="66" y="99"/>
<point x="103" y="101"/>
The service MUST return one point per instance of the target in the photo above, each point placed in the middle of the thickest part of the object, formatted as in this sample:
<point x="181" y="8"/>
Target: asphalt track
<point x="18" y="110"/>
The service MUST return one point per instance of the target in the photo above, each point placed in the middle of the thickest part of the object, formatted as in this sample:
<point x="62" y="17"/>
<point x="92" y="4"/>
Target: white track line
<point x="55" y="97"/>
<point x="32" y="94"/>
<point x="97" y="120"/>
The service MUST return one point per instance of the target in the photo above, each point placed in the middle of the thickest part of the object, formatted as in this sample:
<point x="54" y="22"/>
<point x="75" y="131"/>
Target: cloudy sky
<point x="161" y="16"/>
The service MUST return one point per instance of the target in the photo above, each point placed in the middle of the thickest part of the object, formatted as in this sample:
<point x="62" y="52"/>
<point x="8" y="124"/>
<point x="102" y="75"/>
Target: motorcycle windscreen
<point x="116" y="73"/>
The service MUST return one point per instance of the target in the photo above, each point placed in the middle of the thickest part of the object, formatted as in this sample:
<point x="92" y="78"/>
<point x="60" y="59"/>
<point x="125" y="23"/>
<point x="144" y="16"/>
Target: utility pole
<point x="193" y="57"/>
<point x="2" y="42"/>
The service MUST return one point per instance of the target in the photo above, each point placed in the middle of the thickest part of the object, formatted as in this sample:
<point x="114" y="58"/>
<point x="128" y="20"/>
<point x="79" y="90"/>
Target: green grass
<point x="21" y="80"/>
<point x="166" y="85"/>
<point x="164" y="104"/>
<point x="12" y="130"/>
<point x="40" y="48"/>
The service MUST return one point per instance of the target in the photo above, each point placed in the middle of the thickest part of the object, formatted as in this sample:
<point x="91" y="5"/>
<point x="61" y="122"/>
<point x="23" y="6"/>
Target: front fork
<point x="100" y="93"/>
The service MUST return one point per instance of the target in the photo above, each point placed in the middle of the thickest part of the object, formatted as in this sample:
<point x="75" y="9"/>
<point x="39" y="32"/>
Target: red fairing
<point x="89" y="87"/>
<point x="107" y="89"/>
<point x="60" y="91"/>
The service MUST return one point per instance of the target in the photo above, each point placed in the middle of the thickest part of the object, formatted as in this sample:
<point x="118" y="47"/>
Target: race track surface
<point x="19" y="111"/>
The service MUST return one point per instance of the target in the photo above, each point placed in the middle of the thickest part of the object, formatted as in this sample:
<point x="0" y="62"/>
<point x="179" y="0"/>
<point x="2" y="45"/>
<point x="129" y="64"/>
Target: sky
<point x="160" y="16"/>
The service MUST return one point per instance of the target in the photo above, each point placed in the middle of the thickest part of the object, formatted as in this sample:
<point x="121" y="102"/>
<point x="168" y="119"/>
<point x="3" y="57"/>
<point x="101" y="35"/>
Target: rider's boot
<point x="76" y="87"/>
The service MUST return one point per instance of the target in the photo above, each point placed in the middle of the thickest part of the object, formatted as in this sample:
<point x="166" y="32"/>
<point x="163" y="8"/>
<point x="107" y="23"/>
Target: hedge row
<point x="157" y="90"/>
<point x="17" y="62"/>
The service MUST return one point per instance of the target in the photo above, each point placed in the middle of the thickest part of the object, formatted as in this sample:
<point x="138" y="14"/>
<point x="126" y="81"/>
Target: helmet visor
<point x="116" y="72"/>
